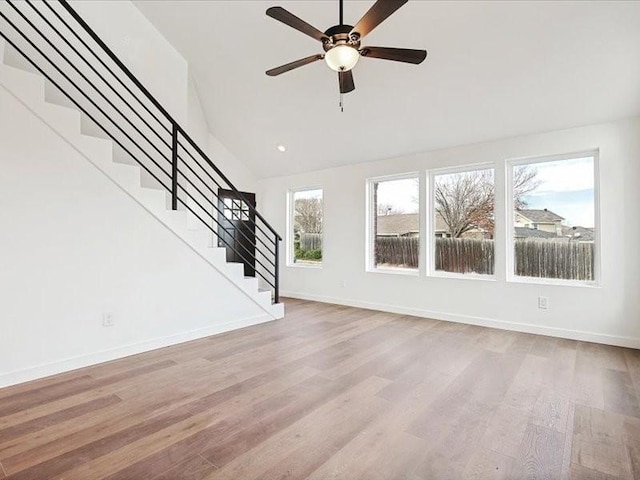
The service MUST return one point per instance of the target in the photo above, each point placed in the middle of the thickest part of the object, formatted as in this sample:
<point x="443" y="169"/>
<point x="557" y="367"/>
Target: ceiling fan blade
<point x="406" y="55"/>
<point x="377" y="14"/>
<point x="346" y="81"/>
<point x="290" y="66"/>
<point x="290" y="19"/>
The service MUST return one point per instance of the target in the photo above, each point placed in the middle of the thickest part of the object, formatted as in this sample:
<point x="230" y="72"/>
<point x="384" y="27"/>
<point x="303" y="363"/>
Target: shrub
<point x="315" y="254"/>
<point x="307" y="254"/>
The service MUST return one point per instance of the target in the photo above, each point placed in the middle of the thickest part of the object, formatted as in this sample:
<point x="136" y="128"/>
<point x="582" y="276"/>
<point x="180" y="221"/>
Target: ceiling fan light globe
<point x="342" y="58"/>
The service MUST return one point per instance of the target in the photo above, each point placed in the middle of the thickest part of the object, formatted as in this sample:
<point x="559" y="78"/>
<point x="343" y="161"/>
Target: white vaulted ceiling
<point x="494" y="70"/>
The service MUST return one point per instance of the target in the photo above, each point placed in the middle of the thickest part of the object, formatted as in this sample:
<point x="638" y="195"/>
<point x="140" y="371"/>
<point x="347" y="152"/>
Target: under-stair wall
<point x="74" y="247"/>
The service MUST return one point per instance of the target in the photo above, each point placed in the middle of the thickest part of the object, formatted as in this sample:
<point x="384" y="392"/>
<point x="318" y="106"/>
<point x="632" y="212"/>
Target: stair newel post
<point x="174" y="167"/>
<point x="276" y="283"/>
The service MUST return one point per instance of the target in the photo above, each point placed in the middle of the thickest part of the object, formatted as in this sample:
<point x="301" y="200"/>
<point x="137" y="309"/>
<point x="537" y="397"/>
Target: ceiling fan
<point x="341" y="43"/>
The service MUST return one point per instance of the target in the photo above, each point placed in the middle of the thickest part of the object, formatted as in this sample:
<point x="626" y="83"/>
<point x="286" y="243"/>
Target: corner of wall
<point x="235" y="169"/>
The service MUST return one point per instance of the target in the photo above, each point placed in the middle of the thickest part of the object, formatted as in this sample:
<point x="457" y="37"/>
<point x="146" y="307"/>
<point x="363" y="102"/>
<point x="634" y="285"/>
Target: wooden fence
<point x="310" y="241"/>
<point x="554" y="259"/>
<point x="397" y="252"/>
<point x="465" y="255"/>
<point x="533" y="258"/>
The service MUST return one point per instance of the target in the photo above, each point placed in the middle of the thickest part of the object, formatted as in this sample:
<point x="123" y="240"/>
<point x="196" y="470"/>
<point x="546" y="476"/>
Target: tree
<point x="466" y="200"/>
<point x="387" y="209"/>
<point x="524" y="182"/>
<point x="308" y="215"/>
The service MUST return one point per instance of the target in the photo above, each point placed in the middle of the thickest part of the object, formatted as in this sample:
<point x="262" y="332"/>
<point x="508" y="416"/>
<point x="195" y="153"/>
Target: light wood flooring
<point x="332" y="392"/>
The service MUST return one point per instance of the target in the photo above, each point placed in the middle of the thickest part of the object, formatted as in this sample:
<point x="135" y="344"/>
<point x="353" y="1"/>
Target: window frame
<point x="290" y="250"/>
<point x="370" y="210"/>
<point x="431" y="222"/>
<point x="510" y="275"/>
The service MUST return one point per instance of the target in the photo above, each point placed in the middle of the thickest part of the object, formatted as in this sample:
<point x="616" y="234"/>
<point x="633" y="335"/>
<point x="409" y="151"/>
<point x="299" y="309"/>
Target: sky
<point x="566" y="188"/>
<point x="401" y="194"/>
<point x="308" y="194"/>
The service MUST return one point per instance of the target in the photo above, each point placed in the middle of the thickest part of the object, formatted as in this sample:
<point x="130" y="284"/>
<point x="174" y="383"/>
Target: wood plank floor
<point x="332" y="392"/>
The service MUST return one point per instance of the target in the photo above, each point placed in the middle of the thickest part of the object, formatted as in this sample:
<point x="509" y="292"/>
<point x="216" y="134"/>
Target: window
<point x="553" y="218"/>
<point x="394" y="216"/>
<point x="305" y="232"/>
<point x="463" y="222"/>
<point x="236" y="209"/>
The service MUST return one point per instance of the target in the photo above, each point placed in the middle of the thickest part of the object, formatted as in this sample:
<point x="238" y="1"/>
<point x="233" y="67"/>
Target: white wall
<point x="233" y="168"/>
<point x="609" y="313"/>
<point x="197" y="125"/>
<point x="163" y="70"/>
<point x="74" y="246"/>
<point x="151" y="58"/>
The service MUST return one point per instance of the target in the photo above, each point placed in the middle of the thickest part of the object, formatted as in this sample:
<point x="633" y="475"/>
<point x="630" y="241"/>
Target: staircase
<point x="128" y="136"/>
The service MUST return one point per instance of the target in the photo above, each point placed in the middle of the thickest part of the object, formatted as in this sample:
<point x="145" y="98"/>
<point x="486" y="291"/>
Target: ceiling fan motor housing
<point x="341" y="43"/>
<point x="339" y="35"/>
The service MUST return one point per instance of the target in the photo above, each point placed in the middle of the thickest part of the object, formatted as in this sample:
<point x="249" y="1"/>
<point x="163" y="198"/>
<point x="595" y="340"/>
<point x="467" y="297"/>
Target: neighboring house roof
<point x="582" y="234"/>
<point x="541" y="216"/>
<point x="522" y="232"/>
<point x="403" y="223"/>
<point x="398" y="224"/>
<point x="441" y="225"/>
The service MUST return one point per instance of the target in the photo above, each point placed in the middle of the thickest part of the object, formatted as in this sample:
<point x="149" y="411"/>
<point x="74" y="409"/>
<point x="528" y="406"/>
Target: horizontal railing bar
<point x="214" y="205"/>
<point x="224" y="241"/>
<point x="84" y="77"/>
<point x="83" y="93"/>
<point x="222" y="175"/>
<point x="48" y="5"/>
<point x="252" y="255"/>
<point x="77" y="104"/>
<point x="157" y="104"/>
<point x="218" y="185"/>
<point x="115" y="59"/>
<point x="200" y="165"/>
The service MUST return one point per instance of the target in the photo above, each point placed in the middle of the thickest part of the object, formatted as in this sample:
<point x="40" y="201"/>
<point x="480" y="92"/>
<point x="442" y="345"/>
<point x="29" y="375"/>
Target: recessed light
<point x="282" y="148"/>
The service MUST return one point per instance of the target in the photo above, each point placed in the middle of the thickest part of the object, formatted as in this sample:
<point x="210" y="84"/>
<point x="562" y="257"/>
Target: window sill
<point x="462" y="276"/>
<point x="553" y="282"/>
<point x="305" y="265"/>
<point x="395" y="271"/>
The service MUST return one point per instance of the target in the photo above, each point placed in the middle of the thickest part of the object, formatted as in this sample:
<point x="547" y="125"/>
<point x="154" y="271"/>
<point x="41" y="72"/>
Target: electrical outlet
<point x="344" y="283"/>
<point x="107" y="319"/>
<point x="543" y="303"/>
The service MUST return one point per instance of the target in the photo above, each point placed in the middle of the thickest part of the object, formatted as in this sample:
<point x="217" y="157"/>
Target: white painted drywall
<point x="151" y="58"/>
<point x="197" y="126"/>
<point x="73" y="246"/>
<point x="165" y="72"/>
<point x="609" y="313"/>
<point x="234" y="169"/>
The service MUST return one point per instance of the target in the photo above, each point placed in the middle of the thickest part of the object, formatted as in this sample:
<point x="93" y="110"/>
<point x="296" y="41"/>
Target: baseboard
<point x="73" y="363"/>
<point x="580" y="335"/>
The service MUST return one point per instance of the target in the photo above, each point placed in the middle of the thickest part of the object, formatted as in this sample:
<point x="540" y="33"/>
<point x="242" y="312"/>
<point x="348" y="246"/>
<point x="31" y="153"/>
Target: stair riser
<point x="29" y="88"/>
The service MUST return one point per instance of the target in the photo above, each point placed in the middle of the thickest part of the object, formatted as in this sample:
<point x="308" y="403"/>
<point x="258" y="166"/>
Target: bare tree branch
<point x="388" y="209"/>
<point x="465" y="201"/>
<point x="308" y="215"/>
<point x="524" y="182"/>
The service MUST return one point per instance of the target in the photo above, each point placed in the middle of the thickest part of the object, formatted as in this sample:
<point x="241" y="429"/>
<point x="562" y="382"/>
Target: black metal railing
<point x="55" y="41"/>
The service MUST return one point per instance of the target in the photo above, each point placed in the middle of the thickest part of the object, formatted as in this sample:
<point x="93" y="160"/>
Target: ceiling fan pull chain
<point x="341" y="43"/>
